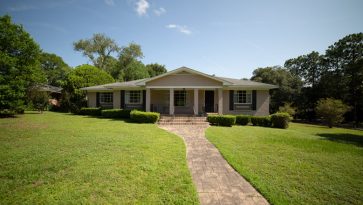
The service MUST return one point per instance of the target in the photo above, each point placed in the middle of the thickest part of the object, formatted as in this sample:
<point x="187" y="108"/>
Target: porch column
<point x="171" y="101"/>
<point x="196" y="101"/>
<point x="220" y="101"/>
<point x="147" y="106"/>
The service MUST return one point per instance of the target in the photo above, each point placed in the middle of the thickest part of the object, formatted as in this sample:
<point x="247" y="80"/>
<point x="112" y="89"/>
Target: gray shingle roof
<point x="136" y="83"/>
<point x="247" y="83"/>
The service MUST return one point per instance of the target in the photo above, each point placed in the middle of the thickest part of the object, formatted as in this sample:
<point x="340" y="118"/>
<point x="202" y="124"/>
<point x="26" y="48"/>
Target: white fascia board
<point x="181" y="87"/>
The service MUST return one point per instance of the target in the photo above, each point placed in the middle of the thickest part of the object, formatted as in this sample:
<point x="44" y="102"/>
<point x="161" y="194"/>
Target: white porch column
<point x="196" y="101"/>
<point x="147" y="100"/>
<point x="171" y="101"/>
<point x="220" y="101"/>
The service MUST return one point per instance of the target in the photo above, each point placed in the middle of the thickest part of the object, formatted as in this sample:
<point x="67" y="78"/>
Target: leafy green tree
<point x="98" y="49"/>
<point x="19" y="64"/>
<point x="345" y="63"/>
<point x="155" y="69"/>
<point x="289" y="85"/>
<point x="39" y="99"/>
<point x="288" y="108"/>
<point x="331" y="110"/>
<point x="129" y="56"/>
<point x="308" y="67"/>
<point x="81" y="76"/>
<point x="135" y="70"/>
<point x="54" y="67"/>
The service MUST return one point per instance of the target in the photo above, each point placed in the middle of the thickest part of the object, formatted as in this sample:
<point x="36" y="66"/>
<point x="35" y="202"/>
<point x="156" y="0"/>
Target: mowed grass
<point x="304" y="164"/>
<point x="55" y="158"/>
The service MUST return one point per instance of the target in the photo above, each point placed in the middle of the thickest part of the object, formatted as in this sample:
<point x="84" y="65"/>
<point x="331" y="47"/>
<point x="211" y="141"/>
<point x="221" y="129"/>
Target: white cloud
<point x="22" y="8"/>
<point x="109" y="2"/>
<point x="180" y="28"/>
<point x="160" y="11"/>
<point x="141" y="7"/>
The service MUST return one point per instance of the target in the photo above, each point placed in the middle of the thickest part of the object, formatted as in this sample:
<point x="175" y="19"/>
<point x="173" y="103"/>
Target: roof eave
<point x="268" y="87"/>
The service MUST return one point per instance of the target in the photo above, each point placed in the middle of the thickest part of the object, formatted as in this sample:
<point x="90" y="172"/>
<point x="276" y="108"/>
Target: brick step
<point x="182" y="120"/>
<point x="183" y="123"/>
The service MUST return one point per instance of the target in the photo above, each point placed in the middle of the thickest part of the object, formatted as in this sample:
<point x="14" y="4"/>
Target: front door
<point x="209" y="101"/>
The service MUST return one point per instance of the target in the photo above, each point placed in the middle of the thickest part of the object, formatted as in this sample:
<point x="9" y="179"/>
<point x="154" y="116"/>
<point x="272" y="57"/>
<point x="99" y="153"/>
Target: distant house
<point x="53" y="92"/>
<point x="184" y="91"/>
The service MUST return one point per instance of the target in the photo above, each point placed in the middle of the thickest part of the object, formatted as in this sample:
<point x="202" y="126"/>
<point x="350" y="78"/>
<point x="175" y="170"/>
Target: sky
<point x="229" y="38"/>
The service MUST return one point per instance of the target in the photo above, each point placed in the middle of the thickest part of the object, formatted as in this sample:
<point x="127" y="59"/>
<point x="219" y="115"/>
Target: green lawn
<point x="61" y="158"/>
<point x="304" y="164"/>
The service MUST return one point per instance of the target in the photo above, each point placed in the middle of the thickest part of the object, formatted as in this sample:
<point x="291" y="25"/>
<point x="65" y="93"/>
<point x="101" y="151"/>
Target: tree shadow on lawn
<point x="344" y="138"/>
<point x="110" y="119"/>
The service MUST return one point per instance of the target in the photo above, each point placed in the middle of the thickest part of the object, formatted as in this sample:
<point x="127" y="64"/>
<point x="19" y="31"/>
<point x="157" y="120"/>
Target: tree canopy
<point x="155" y="69"/>
<point x="54" y="67"/>
<point x="336" y="74"/>
<point x="289" y="85"/>
<point x="98" y="49"/>
<point x="19" y="63"/>
<point x="82" y="76"/>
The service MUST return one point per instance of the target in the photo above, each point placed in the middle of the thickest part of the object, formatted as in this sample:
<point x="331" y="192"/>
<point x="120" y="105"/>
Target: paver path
<point x="216" y="181"/>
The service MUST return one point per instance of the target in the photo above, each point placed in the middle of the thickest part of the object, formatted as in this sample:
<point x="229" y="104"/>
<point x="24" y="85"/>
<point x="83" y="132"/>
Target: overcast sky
<point x="227" y="38"/>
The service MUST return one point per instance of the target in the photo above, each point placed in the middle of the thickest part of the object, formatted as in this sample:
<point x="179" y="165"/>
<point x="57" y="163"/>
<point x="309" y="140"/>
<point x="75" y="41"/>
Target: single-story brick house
<point x="184" y="91"/>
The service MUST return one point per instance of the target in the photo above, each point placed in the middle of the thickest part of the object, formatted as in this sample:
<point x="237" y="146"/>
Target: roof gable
<point x="181" y="71"/>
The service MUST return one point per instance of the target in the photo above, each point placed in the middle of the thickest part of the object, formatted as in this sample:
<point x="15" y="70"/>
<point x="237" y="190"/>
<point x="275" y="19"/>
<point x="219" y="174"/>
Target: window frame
<point x="242" y="97"/>
<point x="102" y="98"/>
<point x="128" y="97"/>
<point x="182" y="94"/>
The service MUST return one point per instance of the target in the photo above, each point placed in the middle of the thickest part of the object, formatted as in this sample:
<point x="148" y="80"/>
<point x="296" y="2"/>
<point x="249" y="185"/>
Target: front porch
<point x="184" y="101"/>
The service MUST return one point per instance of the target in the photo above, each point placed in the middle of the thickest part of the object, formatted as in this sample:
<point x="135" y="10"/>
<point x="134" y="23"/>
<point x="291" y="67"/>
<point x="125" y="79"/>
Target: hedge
<point x="7" y="113"/>
<point x="115" y="113"/>
<point x="242" y="119"/>
<point x="93" y="111"/>
<point x="261" y="121"/>
<point x="144" y="117"/>
<point x="280" y="120"/>
<point x="222" y="120"/>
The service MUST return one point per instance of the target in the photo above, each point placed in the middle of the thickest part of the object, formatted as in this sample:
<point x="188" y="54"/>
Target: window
<point x="180" y="98"/>
<point x="133" y="97"/>
<point x="243" y="97"/>
<point x="106" y="98"/>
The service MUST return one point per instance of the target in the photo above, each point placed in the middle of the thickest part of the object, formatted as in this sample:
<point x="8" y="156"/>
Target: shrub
<point x="7" y="113"/>
<point x="288" y="108"/>
<point x="116" y="113"/>
<point x="144" y="117"/>
<point x="213" y="119"/>
<point x="264" y="121"/>
<point x="19" y="110"/>
<point x="280" y="120"/>
<point x="331" y="110"/>
<point x="92" y="111"/>
<point x="242" y="119"/>
<point x="222" y="120"/>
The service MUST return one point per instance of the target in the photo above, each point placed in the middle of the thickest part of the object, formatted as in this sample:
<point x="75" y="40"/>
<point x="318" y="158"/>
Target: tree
<point x="331" y="110"/>
<point x="308" y="67"/>
<point x="155" y="69"/>
<point x="98" y="49"/>
<point x="129" y="56"/>
<point x="19" y="64"/>
<point x="81" y="76"/>
<point x="289" y="85"/>
<point x="39" y="99"/>
<point x="345" y="61"/>
<point x="54" y="67"/>
<point x="135" y="70"/>
<point x="288" y="108"/>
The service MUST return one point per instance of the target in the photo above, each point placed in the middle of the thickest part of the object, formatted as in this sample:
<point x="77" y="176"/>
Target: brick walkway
<point x="216" y="181"/>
